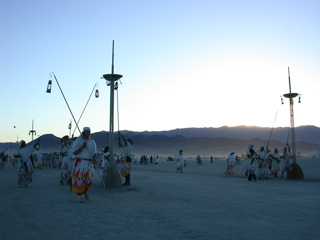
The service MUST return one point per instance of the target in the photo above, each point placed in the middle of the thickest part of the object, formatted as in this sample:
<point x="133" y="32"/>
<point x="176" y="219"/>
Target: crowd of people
<point x="76" y="160"/>
<point x="78" y="157"/>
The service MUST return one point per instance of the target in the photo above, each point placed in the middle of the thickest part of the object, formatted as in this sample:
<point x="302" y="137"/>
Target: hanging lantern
<point x="49" y="86"/>
<point x="97" y="93"/>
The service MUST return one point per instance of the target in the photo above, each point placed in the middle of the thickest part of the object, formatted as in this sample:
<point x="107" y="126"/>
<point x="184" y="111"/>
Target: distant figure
<point x="230" y="163"/>
<point x="180" y="161"/>
<point x="64" y="158"/>
<point x="286" y="160"/>
<point x="25" y="169"/>
<point x="211" y="159"/>
<point x="275" y="157"/>
<point x="126" y="158"/>
<point x="199" y="160"/>
<point x="262" y="157"/>
<point x="84" y="151"/>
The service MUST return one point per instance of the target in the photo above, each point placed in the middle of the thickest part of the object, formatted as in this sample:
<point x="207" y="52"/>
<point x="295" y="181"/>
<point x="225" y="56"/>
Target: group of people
<point x="146" y="160"/>
<point x="78" y="159"/>
<point x="264" y="160"/>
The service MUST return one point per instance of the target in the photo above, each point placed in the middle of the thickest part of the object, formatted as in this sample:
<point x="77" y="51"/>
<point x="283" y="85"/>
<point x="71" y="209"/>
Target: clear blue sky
<point x="184" y="63"/>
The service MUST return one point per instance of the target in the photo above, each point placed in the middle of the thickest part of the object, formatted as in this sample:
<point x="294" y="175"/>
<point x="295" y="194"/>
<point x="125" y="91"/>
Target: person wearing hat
<point x="84" y="151"/>
<point x="230" y="163"/>
<point x="180" y="161"/>
<point x="126" y="158"/>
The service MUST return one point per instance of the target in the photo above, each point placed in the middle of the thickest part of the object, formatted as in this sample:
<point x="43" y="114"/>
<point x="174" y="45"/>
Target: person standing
<point x="286" y="156"/>
<point x="180" y="161"/>
<point x="84" y="151"/>
<point x="262" y="157"/>
<point x="64" y="158"/>
<point x="126" y="158"/>
<point x="25" y="169"/>
<point x="230" y="163"/>
<point x="251" y="165"/>
<point x="275" y="157"/>
<point x="105" y="159"/>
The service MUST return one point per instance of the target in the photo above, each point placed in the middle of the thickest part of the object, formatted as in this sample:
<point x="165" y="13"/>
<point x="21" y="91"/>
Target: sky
<point x="184" y="64"/>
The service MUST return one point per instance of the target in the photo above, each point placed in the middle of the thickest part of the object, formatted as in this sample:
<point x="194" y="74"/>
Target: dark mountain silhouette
<point x="193" y="141"/>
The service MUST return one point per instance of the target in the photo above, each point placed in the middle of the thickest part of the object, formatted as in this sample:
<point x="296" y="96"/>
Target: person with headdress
<point x="25" y="168"/>
<point x="180" y="161"/>
<point x="126" y="158"/>
<point x="262" y="157"/>
<point x="64" y="147"/>
<point x="230" y="163"/>
<point x="84" y="152"/>
<point x="275" y="165"/>
<point x="252" y="162"/>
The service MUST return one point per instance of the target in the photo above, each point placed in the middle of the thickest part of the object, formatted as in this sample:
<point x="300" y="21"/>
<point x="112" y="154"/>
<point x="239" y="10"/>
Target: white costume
<point x="263" y="164"/>
<point x="180" y="162"/>
<point x="230" y="163"/>
<point x="25" y="169"/>
<point x="82" y="173"/>
<point x="275" y="163"/>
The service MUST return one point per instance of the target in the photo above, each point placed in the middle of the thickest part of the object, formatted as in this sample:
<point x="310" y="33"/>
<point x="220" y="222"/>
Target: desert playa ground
<point x="201" y="203"/>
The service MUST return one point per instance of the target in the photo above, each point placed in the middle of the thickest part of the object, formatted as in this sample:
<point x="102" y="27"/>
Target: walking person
<point x="84" y="151"/>
<point x="126" y="158"/>
<point x="25" y="168"/>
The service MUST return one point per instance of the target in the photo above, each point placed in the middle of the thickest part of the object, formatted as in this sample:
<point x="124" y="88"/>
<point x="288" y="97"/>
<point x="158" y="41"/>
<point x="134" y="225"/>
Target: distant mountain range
<point x="203" y="141"/>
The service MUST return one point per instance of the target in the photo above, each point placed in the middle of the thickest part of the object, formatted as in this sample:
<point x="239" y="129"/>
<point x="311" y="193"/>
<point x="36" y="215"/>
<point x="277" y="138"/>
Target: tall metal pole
<point x="294" y="172"/>
<point x="111" y="127"/>
<point x="293" y="131"/>
<point x="112" y="176"/>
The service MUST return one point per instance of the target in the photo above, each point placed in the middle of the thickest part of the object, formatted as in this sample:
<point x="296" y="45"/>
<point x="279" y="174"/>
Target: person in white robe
<point x="84" y="151"/>
<point x="230" y="163"/>
<point x="275" y="157"/>
<point x="262" y="157"/>
<point x="25" y="168"/>
<point x="180" y="161"/>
